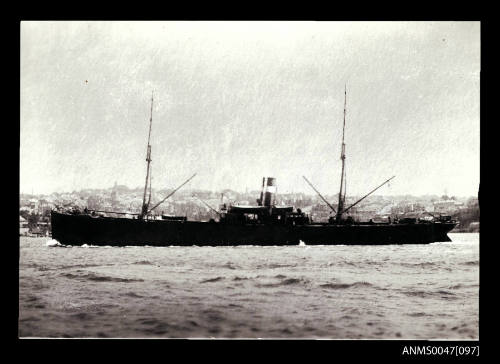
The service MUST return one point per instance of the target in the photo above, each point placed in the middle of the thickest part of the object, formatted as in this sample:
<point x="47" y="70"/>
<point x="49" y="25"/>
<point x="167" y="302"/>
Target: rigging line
<point x="319" y="194"/>
<point x="207" y="205"/>
<point x="368" y="194"/>
<point x="171" y="193"/>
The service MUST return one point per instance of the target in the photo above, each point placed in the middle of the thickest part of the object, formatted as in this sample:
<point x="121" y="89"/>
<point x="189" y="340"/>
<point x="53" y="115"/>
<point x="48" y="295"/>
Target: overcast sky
<point x="236" y="101"/>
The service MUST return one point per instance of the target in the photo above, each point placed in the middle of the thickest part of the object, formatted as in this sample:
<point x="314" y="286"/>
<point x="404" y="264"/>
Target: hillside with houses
<point x="34" y="210"/>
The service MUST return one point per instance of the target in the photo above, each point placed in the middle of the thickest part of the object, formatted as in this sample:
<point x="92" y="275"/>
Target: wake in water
<point x="53" y="242"/>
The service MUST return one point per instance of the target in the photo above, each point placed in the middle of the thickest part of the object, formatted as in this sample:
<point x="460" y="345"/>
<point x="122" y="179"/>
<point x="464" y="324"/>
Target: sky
<point x="237" y="101"/>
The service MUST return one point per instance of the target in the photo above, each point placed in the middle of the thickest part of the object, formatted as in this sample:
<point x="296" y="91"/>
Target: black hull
<point x="84" y="229"/>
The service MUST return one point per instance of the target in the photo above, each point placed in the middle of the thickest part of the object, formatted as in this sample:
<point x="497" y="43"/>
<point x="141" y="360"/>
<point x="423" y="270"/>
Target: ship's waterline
<point x="340" y="292"/>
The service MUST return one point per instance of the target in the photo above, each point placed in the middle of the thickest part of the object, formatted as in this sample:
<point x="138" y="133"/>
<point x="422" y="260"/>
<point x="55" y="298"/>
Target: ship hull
<point x="84" y="229"/>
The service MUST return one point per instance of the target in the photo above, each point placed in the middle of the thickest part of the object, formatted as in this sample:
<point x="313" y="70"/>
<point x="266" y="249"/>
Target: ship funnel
<point x="268" y="194"/>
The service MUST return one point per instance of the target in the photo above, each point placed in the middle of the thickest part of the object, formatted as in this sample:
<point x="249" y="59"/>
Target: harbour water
<point x="333" y="292"/>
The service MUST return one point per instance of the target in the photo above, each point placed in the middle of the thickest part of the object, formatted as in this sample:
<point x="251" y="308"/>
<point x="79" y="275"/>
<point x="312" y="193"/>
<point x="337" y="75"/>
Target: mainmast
<point x="148" y="159"/>
<point x="342" y="157"/>
<point x="345" y="185"/>
<point x="150" y="185"/>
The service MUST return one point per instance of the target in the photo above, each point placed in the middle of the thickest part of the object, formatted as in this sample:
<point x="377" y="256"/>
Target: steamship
<point x="264" y="224"/>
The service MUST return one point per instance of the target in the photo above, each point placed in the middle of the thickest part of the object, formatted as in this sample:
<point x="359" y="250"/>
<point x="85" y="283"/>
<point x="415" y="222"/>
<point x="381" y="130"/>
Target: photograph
<point x="247" y="180"/>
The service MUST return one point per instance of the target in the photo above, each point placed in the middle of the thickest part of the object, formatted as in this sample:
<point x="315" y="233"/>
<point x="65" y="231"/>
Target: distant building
<point x="447" y="206"/>
<point x="474" y="226"/>
<point x="42" y="228"/>
<point x="23" y="226"/>
<point x="405" y="207"/>
<point x="473" y="202"/>
<point x="320" y="213"/>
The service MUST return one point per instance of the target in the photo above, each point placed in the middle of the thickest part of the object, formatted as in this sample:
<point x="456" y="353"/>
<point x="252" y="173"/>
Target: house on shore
<point x="23" y="226"/>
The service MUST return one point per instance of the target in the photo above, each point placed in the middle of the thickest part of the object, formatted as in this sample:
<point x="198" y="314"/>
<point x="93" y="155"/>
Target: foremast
<point x="145" y="205"/>
<point x="342" y="157"/>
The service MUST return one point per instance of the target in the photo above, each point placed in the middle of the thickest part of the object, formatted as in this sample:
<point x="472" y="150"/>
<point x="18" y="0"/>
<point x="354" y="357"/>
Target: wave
<point x="346" y="285"/>
<point x="132" y="294"/>
<point x="472" y="262"/>
<point x="445" y="293"/>
<point x="459" y="286"/>
<point x="417" y="314"/>
<point x="431" y="294"/>
<point x="344" y="263"/>
<point x="53" y="243"/>
<point x="240" y="278"/>
<point x="371" y="262"/>
<point x="275" y="265"/>
<point x="154" y="326"/>
<point x="416" y="293"/>
<point x="43" y="268"/>
<point x="213" y="315"/>
<point x="97" y="278"/>
<point x="285" y="282"/>
<point x="229" y="265"/>
<point x="143" y="262"/>
<point x="293" y="281"/>
<point x="422" y="264"/>
<point x="82" y="316"/>
<point x="39" y="267"/>
<point x="83" y="266"/>
<point x="216" y="279"/>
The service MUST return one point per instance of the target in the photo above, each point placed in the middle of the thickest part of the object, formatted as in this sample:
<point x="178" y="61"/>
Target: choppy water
<point x="339" y="292"/>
